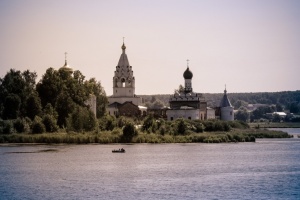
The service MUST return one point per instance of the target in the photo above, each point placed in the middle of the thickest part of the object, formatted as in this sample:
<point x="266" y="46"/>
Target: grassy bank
<point x="105" y="137"/>
<point x="275" y="125"/>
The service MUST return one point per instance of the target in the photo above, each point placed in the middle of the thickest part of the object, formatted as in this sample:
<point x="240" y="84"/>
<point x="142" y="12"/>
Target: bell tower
<point x="123" y="85"/>
<point x="123" y="80"/>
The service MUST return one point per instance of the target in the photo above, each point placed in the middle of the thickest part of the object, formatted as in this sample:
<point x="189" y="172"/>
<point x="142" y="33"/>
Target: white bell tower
<point x="123" y="80"/>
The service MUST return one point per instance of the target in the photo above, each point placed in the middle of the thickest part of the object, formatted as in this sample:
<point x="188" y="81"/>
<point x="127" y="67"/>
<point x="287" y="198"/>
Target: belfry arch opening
<point x="123" y="82"/>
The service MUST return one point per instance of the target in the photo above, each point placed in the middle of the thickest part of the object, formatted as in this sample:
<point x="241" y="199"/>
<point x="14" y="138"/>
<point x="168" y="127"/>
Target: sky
<point x="249" y="45"/>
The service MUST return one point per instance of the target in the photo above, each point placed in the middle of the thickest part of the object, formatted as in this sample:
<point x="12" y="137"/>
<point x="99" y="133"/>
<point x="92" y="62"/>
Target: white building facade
<point x="187" y="104"/>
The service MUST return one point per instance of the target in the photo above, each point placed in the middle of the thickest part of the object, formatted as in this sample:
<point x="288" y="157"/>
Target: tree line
<point x="287" y="100"/>
<point x="56" y="101"/>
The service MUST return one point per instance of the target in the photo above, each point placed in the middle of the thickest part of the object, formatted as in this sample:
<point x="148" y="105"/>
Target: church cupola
<point x="66" y="67"/>
<point x="188" y="75"/>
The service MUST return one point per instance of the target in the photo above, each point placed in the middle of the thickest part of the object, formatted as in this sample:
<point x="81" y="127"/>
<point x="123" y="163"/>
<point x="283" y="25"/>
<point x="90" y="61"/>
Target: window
<point x="171" y="118"/>
<point x="190" y="118"/>
<point x="123" y="82"/>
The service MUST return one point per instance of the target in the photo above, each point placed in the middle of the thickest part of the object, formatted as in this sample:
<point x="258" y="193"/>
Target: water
<point x="267" y="169"/>
<point x="292" y="131"/>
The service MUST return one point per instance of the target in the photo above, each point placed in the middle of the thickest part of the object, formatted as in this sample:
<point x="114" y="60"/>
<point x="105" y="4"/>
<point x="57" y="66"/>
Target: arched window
<point x="123" y="82"/>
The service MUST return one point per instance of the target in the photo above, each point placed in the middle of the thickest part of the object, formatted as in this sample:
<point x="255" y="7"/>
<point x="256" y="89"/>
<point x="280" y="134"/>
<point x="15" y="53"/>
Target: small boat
<point x="118" y="150"/>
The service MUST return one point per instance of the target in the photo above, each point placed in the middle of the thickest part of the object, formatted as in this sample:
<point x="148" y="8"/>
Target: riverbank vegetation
<point x="55" y="110"/>
<point x="151" y="130"/>
<point x="275" y="125"/>
<point x="116" y="136"/>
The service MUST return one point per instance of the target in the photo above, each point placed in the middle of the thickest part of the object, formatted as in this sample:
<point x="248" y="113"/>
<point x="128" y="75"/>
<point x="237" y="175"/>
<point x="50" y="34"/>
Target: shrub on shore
<point x="116" y="136"/>
<point x="111" y="130"/>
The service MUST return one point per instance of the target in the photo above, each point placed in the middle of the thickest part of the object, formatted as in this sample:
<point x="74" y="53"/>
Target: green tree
<point x="49" y="110"/>
<point x="50" y="87"/>
<point x="33" y="106"/>
<point x="180" y="89"/>
<point x="181" y="127"/>
<point x="279" y="108"/>
<point x="107" y="122"/>
<point x="294" y="107"/>
<point x="50" y="123"/>
<point x="148" y="123"/>
<point x="129" y="132"/>
<point x="64" y="106"/>
<point x="240" y="103"/>
<point x="19" y="84"/>
<point x="242" y="115"/>
<point x="37" y="125"/>
<point x="12" y="105"/>
<point x="22" y="125"/>
<point x="81" y="119"/>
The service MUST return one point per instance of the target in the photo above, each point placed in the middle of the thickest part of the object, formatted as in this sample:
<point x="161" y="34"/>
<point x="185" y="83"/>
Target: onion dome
<point x="187" y="74"/>
<point x="66" y="67"/>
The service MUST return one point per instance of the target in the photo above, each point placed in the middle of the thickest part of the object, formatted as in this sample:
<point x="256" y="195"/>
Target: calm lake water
<point x="266" y="169"/>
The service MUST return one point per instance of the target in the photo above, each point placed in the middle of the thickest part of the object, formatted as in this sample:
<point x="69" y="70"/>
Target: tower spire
<point x="66" y="58"/>
<point x="187" y="63"/>
<point x="123" y="46"/>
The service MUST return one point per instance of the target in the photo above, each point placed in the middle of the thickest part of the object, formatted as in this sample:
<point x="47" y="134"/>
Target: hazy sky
<point x="249" y="45"/>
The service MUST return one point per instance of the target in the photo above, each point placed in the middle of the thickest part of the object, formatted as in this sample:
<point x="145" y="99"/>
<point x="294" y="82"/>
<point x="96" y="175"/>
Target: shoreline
<point x="237" y="135"/>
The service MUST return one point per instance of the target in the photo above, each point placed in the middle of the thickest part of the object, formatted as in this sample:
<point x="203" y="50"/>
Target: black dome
<point x="187" y="74"/>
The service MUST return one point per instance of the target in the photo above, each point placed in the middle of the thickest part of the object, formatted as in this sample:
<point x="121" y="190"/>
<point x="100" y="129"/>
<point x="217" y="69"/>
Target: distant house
<point x="282" y="115"/>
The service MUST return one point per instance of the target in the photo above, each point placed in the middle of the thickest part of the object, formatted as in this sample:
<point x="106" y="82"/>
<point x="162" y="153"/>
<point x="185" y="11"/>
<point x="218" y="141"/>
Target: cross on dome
<point x="66" y="57"/>
<point x="123" y="46"/>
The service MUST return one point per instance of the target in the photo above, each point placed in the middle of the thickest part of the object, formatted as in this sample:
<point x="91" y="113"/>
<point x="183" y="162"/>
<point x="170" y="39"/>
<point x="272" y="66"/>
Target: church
<point x="187" y="104"/>
<point x="124" y="102"/>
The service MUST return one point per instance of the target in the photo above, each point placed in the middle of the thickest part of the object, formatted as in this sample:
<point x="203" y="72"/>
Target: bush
<point x="81" y="119"/>
<point x="6" y="127"/>
<point x="38" y="126"/>
<point x="50" y="123"/>
<point x="129" y="132"/>
<point x="181" y="126"/>
<point x="19" y="125"/>
<point x="107" y="123"/>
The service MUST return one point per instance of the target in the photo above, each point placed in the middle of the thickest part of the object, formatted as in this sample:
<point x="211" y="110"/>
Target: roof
<point x="225" y="101"/>
<point x="115" y="104"/>
<point x="280" y="113"/>
<point x="123" y="61"/>
<point x="187" y="74"/>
